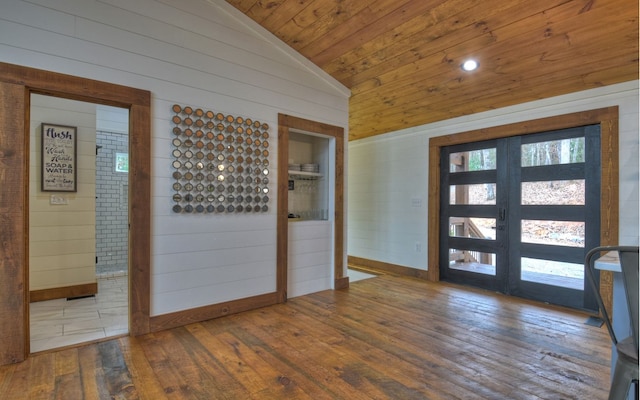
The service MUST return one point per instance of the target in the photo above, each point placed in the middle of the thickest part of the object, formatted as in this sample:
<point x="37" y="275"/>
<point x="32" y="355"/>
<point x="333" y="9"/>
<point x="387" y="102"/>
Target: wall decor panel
<point x="220" y="162"/>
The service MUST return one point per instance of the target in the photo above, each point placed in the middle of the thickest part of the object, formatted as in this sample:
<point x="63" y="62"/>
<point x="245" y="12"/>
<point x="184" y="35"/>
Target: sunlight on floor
<point x="355" y="275"/>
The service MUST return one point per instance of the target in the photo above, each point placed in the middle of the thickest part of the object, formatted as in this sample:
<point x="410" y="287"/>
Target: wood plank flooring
<point x="383" y="338"/>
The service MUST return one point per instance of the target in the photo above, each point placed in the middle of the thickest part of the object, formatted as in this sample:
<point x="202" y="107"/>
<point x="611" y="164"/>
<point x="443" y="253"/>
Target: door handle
<point x="502" y="214"/>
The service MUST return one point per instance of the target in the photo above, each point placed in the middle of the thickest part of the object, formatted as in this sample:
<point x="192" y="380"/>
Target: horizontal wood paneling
<point x="75" y="232"/>
<point x="76" y="256"/>
<point x="62" y="276"/>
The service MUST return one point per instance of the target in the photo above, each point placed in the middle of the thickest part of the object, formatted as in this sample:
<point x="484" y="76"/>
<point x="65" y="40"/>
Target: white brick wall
<point x="112" y="232"/>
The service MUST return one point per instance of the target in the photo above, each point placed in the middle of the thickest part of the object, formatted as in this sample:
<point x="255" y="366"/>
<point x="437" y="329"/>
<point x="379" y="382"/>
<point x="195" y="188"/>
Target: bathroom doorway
<point x="72" y="299"/>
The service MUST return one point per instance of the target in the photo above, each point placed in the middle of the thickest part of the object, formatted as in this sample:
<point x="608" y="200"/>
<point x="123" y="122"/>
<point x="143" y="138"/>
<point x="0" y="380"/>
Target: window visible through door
<point x="518" y="213"/>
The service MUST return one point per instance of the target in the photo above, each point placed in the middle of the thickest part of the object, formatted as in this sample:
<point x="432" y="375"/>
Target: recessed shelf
<point x="302" y="175"/>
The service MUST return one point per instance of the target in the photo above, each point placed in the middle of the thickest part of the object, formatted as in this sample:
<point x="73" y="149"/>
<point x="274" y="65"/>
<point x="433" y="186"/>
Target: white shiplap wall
<point x="388" y="177"/>
<point x="189" y="52"/>
<point x="310" y="256"/>
<point x="62" y="237"/>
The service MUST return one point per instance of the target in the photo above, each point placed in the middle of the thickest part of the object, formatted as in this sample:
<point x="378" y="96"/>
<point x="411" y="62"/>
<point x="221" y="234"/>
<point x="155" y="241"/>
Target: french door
<point x="518" y="214"/>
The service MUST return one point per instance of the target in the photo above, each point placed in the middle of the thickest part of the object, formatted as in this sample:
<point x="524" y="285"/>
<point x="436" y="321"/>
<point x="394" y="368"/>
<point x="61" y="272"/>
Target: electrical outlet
<point x="418" y="248"/>
<point x="57" y="200"/>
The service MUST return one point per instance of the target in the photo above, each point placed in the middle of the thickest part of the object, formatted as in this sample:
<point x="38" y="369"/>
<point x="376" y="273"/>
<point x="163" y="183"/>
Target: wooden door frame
<point x="607" y="118"/>
<point x="285" y="123"/>
<point x="17" y="84"/>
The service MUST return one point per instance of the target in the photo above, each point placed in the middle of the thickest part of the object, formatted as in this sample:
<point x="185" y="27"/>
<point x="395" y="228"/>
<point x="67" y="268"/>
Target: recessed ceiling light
<point x="470" y="65"/>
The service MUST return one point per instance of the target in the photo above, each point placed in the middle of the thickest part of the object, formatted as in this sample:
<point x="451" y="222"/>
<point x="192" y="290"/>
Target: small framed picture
<point x="59" y="158"/>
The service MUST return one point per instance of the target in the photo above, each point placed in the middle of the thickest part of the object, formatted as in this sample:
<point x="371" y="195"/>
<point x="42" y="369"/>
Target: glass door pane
<point x="471" y="250"/>
<point x="554" y="182"/>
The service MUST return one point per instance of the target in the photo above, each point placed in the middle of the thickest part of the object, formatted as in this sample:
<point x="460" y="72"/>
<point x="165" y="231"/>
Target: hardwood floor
<point x="383" y="338"/>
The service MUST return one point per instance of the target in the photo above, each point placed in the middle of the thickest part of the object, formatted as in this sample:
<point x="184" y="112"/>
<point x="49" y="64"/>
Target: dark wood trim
<point x="433" y="229"/>
<point x="181" y="318"/>
<point x="17" y="83"/>
<point x="383" y="267"/>
<point x="341" y="283"/>
<point x="139" y="219"/>
<point x="73" y="87"/>
<point x="609" y="202"/>
<point x="13" y="169"/>
<point x="282" y="225"/>
<point x="87" y="289"/>
<point x="286" y="122"/>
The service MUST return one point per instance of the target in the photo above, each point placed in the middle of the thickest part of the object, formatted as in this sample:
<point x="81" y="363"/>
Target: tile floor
<point x="61" y="322"/>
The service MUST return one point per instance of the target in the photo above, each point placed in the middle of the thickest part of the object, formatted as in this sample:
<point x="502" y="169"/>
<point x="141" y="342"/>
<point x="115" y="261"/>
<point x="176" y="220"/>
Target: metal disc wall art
<point x="215" y="159"/>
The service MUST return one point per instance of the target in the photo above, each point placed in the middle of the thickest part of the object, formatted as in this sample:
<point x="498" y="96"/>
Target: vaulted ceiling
<point x="401" y="58"/>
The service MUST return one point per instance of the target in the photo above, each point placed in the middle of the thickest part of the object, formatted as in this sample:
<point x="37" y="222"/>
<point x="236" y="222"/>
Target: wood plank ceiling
<point x="401" y="58"/>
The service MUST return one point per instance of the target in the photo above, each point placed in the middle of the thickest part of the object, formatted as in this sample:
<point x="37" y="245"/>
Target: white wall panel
<point x="112" y="119"/>
<point x="178" y="262"/>
<point x="57" y="256"/>
<point x="189" y="52"/>
<point x="388" y="177"/>
<point x="206" y="295"/>
<point x="310" y="257"/>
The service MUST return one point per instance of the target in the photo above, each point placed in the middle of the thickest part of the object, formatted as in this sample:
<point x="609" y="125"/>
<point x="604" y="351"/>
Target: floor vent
<point x="80" y="297"/>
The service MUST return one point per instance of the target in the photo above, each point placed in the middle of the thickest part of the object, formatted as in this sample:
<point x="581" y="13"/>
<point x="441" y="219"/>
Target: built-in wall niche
<point x="309" y="172"/>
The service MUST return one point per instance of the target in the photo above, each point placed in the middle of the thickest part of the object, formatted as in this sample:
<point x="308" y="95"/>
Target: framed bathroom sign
<point x="59" y="158"/>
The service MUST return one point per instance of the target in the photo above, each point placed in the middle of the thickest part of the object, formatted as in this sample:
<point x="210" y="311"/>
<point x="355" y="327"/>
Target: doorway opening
<point x="288" y="125"/>
<point x="518" y="214"/>
<point x="75" y="296"/>
<point x="17" y="83"/>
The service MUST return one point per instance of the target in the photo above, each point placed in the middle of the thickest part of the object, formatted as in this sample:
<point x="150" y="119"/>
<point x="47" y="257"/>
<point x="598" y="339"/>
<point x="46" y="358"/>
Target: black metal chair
<point x="626" y="368"/>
